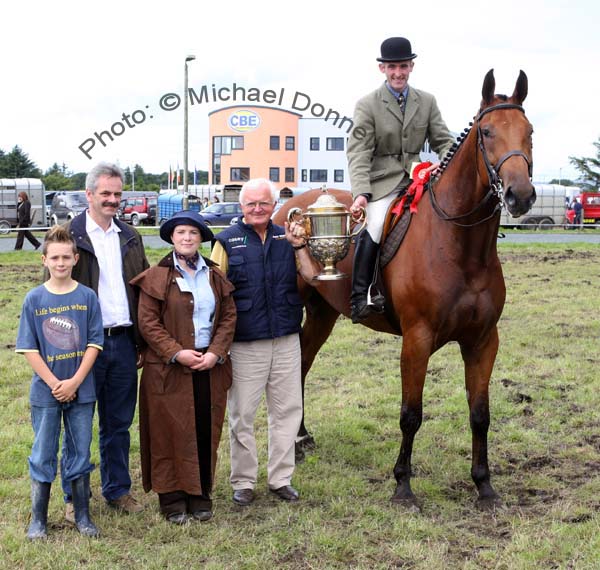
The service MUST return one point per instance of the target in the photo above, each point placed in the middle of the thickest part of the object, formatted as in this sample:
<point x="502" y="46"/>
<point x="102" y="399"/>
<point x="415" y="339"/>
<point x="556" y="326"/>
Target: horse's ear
<point x="520" y="91"/>
<point x="489" y="85"/>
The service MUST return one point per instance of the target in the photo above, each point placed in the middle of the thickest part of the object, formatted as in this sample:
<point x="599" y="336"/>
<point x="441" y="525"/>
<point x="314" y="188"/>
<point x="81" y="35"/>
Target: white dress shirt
<point x="111" y="285"/>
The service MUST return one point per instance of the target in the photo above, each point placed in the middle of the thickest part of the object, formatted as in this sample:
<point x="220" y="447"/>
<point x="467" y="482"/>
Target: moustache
<point x="110" y="204"/>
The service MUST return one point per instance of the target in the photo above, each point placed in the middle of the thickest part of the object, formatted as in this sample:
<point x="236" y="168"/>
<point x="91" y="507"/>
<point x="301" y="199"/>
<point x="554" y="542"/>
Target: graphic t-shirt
<point x="60" y="326"/>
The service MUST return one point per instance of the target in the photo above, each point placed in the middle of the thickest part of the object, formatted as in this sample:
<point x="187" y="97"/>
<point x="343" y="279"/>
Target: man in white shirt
<point x="111" y="254"/>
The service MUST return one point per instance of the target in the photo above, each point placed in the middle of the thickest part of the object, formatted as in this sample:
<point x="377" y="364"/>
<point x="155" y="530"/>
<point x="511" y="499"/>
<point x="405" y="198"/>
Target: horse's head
<point x="504" y="139"/>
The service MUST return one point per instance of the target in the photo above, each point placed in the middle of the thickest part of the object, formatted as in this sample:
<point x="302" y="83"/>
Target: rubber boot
<point x="365" y="259"/>
<point x="40" y="495"/>
<point x="80" y="489"/>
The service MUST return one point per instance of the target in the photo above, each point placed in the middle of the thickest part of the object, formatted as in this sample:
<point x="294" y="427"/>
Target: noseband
<point x="494" y="180"/>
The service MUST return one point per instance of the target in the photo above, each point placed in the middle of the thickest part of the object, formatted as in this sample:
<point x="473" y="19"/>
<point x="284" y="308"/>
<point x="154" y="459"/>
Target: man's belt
<point x="114" y="331"/>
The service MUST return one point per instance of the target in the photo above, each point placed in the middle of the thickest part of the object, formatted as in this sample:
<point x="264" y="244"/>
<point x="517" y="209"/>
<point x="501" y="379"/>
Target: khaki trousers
<point x="270" y="366"/>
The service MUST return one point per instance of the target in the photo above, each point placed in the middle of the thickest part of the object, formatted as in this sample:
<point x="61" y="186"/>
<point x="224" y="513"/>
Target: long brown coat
<point x="168" y="443"/>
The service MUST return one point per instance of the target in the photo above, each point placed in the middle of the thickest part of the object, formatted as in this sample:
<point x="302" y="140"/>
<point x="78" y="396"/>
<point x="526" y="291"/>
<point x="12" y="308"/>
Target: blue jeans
<point x="115" y="375"/>
<point x="75" y="461"/>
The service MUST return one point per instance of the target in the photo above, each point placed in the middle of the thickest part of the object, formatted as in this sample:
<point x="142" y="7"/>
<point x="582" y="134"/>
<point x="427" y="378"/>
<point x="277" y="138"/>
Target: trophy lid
<point x="327" y="204"/>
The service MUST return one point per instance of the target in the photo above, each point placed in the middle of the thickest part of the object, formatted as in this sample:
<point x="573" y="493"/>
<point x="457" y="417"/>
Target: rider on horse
<point x="391" y="125"/>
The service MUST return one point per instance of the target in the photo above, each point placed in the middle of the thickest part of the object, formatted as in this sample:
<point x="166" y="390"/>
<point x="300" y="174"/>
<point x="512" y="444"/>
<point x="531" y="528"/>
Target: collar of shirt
<point x="395" y="93"/>
<point x="201" y="265"/>
<point x="92" y="226"/>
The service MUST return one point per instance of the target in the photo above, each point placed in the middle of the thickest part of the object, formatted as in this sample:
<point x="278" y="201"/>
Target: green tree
<point x="57" y="178"/>
<point x="589" y="168"/>
<point x="78" y="180"/>
<point x="17" y="164"/>
<point x="562" y="182"/>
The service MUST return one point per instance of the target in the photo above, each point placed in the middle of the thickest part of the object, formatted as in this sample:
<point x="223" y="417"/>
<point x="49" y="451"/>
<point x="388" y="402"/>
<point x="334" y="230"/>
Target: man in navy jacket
<point x="265" y="354"/>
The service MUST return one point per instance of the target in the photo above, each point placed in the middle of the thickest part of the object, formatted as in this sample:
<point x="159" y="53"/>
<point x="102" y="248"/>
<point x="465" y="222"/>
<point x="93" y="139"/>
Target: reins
<point x="494" y="180"/>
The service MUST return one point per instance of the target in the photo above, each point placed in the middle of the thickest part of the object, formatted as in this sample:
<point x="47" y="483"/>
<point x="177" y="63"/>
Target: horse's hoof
<point x="409" y="504"/>
<point x="299" y="454"/>
<point x="488" y="504"/>
<point x="306" y="443"/>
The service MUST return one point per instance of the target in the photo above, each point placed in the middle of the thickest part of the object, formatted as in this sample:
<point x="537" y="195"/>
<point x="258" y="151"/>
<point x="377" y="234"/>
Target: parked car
<point x="66" y="205"/>
<point x="49" y="198"/>
<point x="139" y="207"/>
<point x="221" y="213"/>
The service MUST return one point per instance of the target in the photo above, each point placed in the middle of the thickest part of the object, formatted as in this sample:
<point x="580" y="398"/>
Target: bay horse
<point x="445" y="282"/>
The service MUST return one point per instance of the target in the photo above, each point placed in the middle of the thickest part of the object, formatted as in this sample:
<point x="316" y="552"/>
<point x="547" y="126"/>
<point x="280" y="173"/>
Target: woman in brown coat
<point x="187" y="317"/>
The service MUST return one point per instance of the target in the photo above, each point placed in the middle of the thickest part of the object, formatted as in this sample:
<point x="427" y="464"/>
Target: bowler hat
<point x="185" y="218"/>
<point x="396" y="49"/>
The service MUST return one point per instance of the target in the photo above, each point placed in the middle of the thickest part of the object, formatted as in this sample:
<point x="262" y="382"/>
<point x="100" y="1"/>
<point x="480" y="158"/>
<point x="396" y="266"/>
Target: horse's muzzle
<point x="519" y="203"/>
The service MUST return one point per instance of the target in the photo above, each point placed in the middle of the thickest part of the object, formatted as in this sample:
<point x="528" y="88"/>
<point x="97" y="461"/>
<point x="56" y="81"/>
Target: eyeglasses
<point x="261" y="205"/>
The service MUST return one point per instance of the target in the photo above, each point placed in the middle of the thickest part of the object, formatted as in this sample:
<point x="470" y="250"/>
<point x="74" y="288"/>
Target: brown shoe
<point x="286" y="493"/>
<point x="243" y="497"/>
<point x="127" y="504"/>
<point x="70" y="513"/>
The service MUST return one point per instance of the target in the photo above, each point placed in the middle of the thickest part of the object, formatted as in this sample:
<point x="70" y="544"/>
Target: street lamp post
<point x="185" y="130"/>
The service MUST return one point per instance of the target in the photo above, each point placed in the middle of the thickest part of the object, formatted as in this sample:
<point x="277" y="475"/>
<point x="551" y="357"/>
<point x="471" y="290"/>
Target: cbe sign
<point x="243" y="121"/>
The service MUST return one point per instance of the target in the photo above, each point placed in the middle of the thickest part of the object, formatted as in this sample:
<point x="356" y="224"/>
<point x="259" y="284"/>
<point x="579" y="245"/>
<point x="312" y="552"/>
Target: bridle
<point x="493" y="171"/>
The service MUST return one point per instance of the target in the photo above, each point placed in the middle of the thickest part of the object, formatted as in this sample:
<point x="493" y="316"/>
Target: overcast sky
<point x="69" y="69"/>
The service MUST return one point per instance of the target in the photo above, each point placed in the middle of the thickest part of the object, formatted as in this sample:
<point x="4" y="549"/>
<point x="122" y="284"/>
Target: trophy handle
<point x="291" y="217"/>
<point x="296" y="215"/>
<point x="362" y="220"/>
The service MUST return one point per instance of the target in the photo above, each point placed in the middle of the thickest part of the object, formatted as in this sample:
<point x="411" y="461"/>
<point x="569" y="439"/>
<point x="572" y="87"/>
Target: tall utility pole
<point x="185" y="129"/>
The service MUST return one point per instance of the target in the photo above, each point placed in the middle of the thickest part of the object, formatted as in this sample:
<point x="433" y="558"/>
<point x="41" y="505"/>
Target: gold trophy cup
<point x="327" y="224"/>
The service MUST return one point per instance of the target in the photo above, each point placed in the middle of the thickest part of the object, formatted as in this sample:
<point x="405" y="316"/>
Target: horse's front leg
<point x="479" y="362"/>
<point x="416" y="350"/>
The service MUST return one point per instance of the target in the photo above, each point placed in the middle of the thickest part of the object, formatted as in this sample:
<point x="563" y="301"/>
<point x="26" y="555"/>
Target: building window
<point x="335" y="143"/>
<point x="338" y="175"/>
<point x="224" y="145"/>
<point x="314" y="143"/>
<point x="290" y="143"/>
<point x="289" y="174"/>
<point x="304" y="178"/>
<point x="216" y="173"/>
<point x="239" y="174"/>
<point x="274" y="143"/>
<point x="274" y="174"/>
<point x="318" y="175"/>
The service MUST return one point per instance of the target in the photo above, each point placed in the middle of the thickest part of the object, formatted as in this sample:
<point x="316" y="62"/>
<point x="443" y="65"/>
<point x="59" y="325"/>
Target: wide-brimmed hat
<point x="396" y="49"/>
<point x="185" y="218"/>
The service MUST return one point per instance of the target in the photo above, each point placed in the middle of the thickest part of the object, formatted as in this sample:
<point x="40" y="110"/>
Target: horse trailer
<point x="9" y="192"/>
<point x="548" y="210"/>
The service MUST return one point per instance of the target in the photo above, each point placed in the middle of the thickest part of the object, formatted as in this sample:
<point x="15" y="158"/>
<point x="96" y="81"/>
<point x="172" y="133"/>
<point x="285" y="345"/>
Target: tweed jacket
<point x="385" y="142"/>
<point x="168" y="445"/>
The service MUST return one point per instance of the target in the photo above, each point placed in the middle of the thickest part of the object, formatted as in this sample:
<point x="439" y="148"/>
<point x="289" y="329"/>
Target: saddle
<point x="398" y="217"/>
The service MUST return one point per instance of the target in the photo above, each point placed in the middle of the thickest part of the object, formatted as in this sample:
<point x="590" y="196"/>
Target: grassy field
<point x="544" y="452"/>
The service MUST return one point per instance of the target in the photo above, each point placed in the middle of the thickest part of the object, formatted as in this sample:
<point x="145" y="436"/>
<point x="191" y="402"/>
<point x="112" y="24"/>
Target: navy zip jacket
<point x="266" y="290"/>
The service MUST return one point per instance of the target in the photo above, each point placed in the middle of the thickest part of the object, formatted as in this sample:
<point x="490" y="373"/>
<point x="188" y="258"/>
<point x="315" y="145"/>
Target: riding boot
<point x="40" y="495"/>
<point x="365" y="260"/>
<point x="80" y="489"/>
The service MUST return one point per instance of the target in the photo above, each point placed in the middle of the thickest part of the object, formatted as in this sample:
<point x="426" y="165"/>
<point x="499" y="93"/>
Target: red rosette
<point x="420" y="178"/>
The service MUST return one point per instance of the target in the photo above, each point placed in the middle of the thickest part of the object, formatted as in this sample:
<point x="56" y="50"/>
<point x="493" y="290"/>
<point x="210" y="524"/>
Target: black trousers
<point x="26" y="234"/>
<point x="180" y="501"/>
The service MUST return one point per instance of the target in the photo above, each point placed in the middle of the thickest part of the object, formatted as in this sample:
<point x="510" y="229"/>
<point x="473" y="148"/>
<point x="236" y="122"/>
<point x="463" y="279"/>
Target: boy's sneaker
<point x="70" y="513"/>
<point x="127" y="504"/>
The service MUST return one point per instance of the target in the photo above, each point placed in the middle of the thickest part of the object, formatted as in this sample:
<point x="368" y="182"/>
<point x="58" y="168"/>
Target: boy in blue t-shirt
<point x="61" y="334"/>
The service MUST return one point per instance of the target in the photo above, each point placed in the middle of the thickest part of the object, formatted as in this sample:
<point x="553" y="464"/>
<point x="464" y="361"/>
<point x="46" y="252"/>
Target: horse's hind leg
<point x="479" y="362"/>
<point x="416" y="349"/>
<point x="318" y="324"/>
